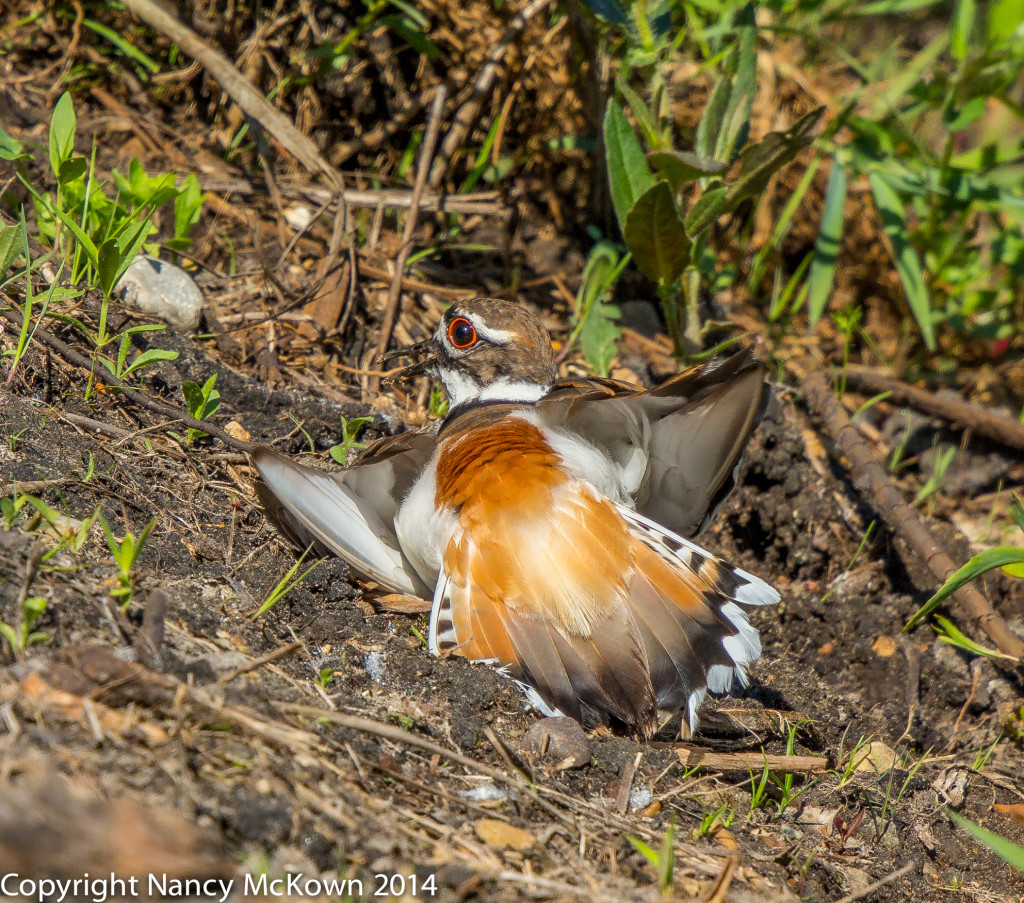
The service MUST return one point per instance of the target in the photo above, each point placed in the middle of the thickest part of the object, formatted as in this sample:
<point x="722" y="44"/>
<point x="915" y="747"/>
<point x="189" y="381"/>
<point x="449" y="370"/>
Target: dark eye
<point x="461" y="333"/>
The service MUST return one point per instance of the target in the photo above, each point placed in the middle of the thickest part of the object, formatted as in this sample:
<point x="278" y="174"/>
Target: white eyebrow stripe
<point x="497" y="336"/>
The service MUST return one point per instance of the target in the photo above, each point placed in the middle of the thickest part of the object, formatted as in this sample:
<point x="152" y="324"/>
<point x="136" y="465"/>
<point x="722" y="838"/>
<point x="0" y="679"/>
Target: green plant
<point x="663" y="859"/>
<point x="853" y="760"/>
<point x="22" y="636"/>
<point x="350" y="430"/>
<point x="324" y="677"/>
<point x="999" y="845"/>
<point x="126" y="554"/>
<point x="667" y="219"/>
<point x="853" y="560"/>
<point x="759" y="788"/>
<point x="593" y="316"/>
<point x="710" y="822"/>
<point x="981" y="759"/>
<point x="786" y="782"/>
<point x="96" y="236"/>
<point x="947" y="190"/>
<point x="202" y="402"/>
<point x="890" y="803"/>
<point x="437" y="406"/>
<point x="287" y="583"/>
<point x="940" y="464"/>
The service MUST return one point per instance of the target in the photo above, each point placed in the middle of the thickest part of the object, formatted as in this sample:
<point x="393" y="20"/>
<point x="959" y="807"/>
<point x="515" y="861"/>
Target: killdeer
<point x="548" y="520"/>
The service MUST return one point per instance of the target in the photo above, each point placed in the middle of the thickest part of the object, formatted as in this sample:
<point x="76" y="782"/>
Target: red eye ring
<point x="461" y="333"/>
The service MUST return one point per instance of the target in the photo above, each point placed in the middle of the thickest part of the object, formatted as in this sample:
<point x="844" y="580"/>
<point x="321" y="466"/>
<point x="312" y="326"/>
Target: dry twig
<point x="426" y="155"/>
<point x="999" y="429"/>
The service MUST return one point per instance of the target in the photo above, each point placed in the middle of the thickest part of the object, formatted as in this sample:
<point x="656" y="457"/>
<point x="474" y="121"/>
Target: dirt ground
<point x="191" y="738"/>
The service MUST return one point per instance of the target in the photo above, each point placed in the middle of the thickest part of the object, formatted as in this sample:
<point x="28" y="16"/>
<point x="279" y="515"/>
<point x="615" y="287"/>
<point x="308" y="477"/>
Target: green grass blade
<point x="894" y="221"/>
<point x="826" y="248"/>
<point x="978" y="565"/>
<point x="999" y="845"/>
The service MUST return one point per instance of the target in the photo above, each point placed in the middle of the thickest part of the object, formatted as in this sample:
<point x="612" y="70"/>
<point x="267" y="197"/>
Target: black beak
<point x="425" y="351"/>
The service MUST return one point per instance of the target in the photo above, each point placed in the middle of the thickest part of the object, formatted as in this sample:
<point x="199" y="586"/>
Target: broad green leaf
<point x="711" y="122"/>
<point x="708" y="208"/>
<point x="613" y="11"/>
<point x="736" y="120"/>
<point x="108" y="264"/>
<point x="629" y="176"/>
<point x="599" y="336"/>
<point x="648" y="852"/>
<point x="151" y="356"/>
<point x="10" y="147"/>
<point x="193" y="397"/>
<point x="680" y="167"/>
<point x="656" y="236"/>
<point x="999" y="845"/>
<point x="768" y="156"/>
<point x="72" y="170"/>
<point x="978" y="565"/>
<point x="826" y="248"/>
<point x="10" y="246"/>
<point x="642" y="113"/>
<point x="62" y="132"/>
<point x="1004" y="18"/>
<point x="894" y="221"/>
<point x="960" y="33"/>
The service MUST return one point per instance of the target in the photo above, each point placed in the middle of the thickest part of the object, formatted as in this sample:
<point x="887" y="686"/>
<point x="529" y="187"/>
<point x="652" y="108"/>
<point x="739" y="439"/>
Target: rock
<point x="559" y="741"/>
<point x="163" y="290"/>
<point x="877" y="757"/>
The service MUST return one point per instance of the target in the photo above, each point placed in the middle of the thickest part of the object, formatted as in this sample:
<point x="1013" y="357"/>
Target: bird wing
<point x="676" y="446"/>
<point x="348" y="513"/>
<point x="597" y="610"/>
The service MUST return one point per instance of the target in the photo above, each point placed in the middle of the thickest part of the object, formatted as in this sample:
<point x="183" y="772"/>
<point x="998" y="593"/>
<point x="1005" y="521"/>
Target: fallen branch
<point x="690" y="756"/>
<point x="874" y="484"/>
<point x="237" y="87"/>
<point x="999" y="429"/>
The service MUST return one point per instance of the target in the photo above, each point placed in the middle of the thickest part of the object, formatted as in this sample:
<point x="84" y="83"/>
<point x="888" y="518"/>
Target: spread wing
<point x="677" y="445"/>
<point x="597" y="610"/>
<point x="348" y="513"/>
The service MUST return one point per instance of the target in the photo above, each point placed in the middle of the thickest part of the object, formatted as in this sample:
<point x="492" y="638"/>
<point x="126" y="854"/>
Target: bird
<point x="550" y="521"/>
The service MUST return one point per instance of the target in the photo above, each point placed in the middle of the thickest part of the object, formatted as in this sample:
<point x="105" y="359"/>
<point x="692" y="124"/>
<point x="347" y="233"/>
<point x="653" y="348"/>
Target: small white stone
<point x="375" y="666"/>
<point x="163" y="290"/>
<point x="640" y="798"/>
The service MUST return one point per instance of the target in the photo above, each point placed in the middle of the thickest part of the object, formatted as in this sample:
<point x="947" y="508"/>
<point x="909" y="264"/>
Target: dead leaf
<point x="498" y="834"/>
<point x="877" y="757"/>
<point x="1014" y="810"/>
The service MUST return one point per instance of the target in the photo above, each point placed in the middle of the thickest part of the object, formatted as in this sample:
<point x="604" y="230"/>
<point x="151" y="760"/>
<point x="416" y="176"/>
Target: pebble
<point x="163" y="290"/>
<point x="559" y="740"/>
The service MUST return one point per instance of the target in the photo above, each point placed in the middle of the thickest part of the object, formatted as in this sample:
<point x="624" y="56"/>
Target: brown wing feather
<point x="601" y="614"/>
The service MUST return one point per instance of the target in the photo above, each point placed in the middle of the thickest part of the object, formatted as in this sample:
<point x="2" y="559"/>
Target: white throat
<point x="461" y="388"/>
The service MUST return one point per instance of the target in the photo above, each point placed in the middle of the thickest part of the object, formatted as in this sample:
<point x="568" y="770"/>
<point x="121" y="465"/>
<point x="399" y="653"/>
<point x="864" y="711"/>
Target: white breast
<point x="583" y="460"/>
<point x="422" y="530"/>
